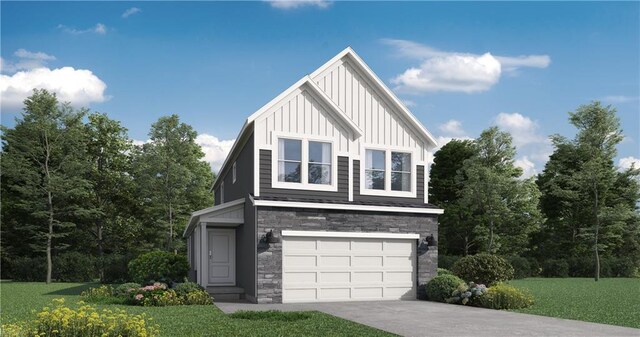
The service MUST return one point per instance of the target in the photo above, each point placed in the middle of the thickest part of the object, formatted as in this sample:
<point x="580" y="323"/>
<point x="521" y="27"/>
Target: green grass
<point x="613" y="301"/>
<point x="18" y="299"/>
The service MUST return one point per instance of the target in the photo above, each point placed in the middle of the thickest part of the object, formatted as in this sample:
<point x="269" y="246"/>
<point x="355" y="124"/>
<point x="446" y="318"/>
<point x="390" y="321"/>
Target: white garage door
<point x="327" y="266"/>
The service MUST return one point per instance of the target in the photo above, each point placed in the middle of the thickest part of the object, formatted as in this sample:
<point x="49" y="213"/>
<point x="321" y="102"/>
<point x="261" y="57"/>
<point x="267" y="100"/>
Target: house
<point x="323" y="197"/>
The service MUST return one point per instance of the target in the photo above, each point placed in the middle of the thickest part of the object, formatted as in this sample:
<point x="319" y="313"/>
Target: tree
<point x="456" y="225"/>
<point x="170" y="174"/>
<point x="112" y="186"/>
<point x="504" y="206"/>
<point x="42" y="171"/>
<point x="601" y="201"/>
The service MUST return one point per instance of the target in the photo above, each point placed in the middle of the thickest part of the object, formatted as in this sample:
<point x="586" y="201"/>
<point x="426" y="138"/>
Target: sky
<point x="460" y="67"/>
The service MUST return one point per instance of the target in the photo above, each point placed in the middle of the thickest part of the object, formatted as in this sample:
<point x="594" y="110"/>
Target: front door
<point x="222" y="256"/>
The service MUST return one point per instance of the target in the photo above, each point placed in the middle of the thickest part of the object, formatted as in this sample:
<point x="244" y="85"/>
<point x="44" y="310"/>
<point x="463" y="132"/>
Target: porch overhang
<point x="229" y="214"/>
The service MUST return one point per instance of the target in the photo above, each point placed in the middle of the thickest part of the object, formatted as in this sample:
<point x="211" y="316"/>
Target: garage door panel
<point x="347" y="269"/>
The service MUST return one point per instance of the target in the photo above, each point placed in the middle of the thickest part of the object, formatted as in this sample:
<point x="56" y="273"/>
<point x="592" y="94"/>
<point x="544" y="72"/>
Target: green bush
<point x="467" y="293"/>
<point x="555" y="268"/>
<point x="442" y="286"/>
<point x="503" y="296"/>
<point x="521" y="266"/>
<point x="124" y="289"/>
<point x="28" y="269"/>
<point x="158" y="266"/>
<point x="198" y="297"/>
<point x="115" y="268"/>
<point x="536" y="269"/>
<point x="483" y="268"/>
<point x="447" y="261"/>
<point x="186" y="287"/>
<point x="442" y="271"/>
<point x="74" y="267"/>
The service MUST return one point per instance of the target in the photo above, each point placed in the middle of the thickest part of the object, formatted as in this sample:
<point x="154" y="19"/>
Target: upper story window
<point x="304" y="164"/>
<point x="387" y="171"/>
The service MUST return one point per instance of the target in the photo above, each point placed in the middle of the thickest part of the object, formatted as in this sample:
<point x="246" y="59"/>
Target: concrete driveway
<point x="421" y="318"/>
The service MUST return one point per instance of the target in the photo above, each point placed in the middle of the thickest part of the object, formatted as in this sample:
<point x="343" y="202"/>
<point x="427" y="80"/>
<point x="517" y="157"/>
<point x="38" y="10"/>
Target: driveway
<point x="421" y="318"/>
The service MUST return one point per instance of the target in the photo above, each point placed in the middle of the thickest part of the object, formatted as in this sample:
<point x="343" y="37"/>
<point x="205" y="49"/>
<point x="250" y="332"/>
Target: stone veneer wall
<point x="278" y="219"/>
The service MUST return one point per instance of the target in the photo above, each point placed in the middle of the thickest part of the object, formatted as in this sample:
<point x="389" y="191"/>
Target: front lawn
<point x="610" y="301"/>
<point x="18" y="299"/>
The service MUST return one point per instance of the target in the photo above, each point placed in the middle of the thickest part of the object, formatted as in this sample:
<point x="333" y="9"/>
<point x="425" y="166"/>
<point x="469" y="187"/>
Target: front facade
<point x="323" y="197"/>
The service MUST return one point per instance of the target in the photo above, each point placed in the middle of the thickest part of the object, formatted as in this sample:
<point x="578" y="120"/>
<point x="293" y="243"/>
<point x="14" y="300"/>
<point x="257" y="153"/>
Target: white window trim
<point x="304" y="174"/>
<point x="233" y="173"/>
<point x="370" y="235"/>
<point x="387" y="173"/>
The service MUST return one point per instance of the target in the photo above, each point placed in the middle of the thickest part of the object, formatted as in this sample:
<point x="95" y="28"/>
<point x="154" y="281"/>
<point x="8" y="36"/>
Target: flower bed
<point x="154" y="295"/>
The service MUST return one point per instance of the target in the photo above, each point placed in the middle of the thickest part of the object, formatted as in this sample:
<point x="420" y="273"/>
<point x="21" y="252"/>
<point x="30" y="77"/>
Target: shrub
<point x="483" y="268"/>
<point x="28" y="269"/>
<point x="555" y="268"/>
<point x="74" y="267"/>
<point x="536" y="269"/>
<point x="467" y="293"/>
<point x="503" y="296"/>
<point x="442" y="286"/>
<point x="186" y="287"/>
<point x="442" y="271"/>
<point x="447" y="261"/>
<point x="162" y="299"/>
<point x="83" y="321"/>
<point x="521" y="266"/>
<point x="97" y="295"/>
<point x="124" y="289"/>
<point x="158" y="266"/>
<point x="198" y="297"/>
<point x="624" y="267"/>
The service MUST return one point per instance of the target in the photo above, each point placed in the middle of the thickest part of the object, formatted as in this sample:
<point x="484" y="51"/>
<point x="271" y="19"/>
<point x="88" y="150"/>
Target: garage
<point x="348" y="266"/>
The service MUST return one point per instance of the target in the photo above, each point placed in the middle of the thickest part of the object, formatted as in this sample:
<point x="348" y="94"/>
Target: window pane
<point x="400" y="181"/>
<point x="289" y="149"/>
<point x="375" y="159"/>
<point x="400" y="161"/>
<point x="374" y="180"/>
<point x="319" y="152"/>
<point x="319" y="174"/>
<point x="289" y="172"/>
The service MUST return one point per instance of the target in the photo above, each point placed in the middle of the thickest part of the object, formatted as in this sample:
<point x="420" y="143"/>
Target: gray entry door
<point x="222" y="257"/>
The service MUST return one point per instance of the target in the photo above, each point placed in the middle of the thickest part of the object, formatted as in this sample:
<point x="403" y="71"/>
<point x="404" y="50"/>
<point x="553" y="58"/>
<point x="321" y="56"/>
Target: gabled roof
<point x="341" y="116"/>
<point x="375" y="80"/>
<point x="221" y="214"/>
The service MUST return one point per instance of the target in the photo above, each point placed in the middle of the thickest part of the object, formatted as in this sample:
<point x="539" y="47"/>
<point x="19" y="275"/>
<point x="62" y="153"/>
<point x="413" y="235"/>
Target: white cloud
<point x="77" y="86"/>
<point x="626" y="163"/>
<point x="455" y="71"/>
<point x="131" y="11"/>
<point x="527" y="166"/>
<point x="408" y="103"/>
<point x="26" y="60"/>
<point x="619" y="99"/>
<point x="523" y="130"/>
<point x="293" y="4"/>
<point x="452" y="127"/>
<point x="99" y="28"/>
<point x="215" y="150"/>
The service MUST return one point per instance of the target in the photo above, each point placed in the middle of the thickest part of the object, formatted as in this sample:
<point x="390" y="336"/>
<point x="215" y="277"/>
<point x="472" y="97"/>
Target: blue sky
<point x="460" y="67"/>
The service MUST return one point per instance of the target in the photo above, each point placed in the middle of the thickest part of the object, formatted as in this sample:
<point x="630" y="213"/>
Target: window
<point x="234" y="172"/>
<point x="319" y="163"/>
<point x="375" y="170"/>
<point x="222" y="193"/>
<point x="289" y="160"/>
<point x="400" y="171"/>
<point x="387" y="172"/>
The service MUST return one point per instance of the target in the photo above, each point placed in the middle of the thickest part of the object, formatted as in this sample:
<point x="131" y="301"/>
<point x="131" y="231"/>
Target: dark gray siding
<point x="419" y="199"/>
<point x="244" y="174"/>
<point x="246" y="251"/>
<point x="267" y="190"/>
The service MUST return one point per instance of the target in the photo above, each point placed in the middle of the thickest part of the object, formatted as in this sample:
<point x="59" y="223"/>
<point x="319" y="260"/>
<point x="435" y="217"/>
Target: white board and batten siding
<point x="325" y="269"/>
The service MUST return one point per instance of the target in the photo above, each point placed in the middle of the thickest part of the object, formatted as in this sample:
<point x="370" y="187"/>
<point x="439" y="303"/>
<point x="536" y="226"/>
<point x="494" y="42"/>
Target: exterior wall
<point x="246" y="252"/>
<point x="420" y="188"/>
<point x="269" y="276"/>
<point x="244" y="175"/>
<point x="266" y="188"/>
<point x="368" y="108"/>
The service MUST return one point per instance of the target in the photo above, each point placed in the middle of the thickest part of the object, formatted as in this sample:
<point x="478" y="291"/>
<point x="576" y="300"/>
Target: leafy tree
<point x="504" y="206"/>
<point x="170" y="174"/>
<point x="42" y="172"/>
<point x="456" y="225"/>
<point x="583" y="192"/>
